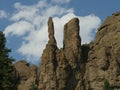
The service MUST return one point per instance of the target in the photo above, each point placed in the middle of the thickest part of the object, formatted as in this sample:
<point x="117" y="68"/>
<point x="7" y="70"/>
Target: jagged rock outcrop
<point x="60" y="68"/>
<point x="104" y="56"/>
<point x="27" y="75"/>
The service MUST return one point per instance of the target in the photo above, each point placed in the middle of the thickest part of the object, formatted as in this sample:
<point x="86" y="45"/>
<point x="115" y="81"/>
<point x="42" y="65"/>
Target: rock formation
<point x="76" y="66"/>
<point x="26" y="75"/>
<point x="104" y="56"/>
<point x="60" y="68"/>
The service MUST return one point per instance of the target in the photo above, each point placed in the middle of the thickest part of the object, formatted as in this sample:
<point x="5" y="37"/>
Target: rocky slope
<point x="76" y="66"/>
<point x="104" y="56"/>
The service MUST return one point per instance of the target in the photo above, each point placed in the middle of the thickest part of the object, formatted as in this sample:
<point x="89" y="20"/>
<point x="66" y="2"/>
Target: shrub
<point x="106" y="85"/>
<point x="33" y="87"/>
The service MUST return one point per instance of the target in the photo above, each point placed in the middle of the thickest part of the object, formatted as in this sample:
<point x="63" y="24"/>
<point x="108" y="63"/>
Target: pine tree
<point x="7" y="71"/>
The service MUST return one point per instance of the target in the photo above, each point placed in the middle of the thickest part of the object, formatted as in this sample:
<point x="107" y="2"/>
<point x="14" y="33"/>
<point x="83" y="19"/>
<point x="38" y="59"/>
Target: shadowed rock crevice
<point x="85" y="50"/>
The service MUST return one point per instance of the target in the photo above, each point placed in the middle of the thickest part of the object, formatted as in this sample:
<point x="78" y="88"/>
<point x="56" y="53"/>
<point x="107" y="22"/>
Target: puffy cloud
<point x="88" y="26"/>
<point x="60" y="1"/>
<point x="3" y="14"/>
<point x="18" y="28"/>
<point x="32" y="20"/>
<point x="33" y="44"/>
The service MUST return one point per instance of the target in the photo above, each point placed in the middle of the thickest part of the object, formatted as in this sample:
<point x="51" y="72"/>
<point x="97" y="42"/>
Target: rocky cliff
<point x="76" y="66"/>
<point x="104" y="56"/>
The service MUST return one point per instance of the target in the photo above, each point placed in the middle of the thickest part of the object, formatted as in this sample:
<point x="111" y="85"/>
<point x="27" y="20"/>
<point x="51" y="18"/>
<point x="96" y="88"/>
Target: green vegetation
<point x="106" y="85"/>
<point x="33" y="87"/>
<point x="7" y="71"/>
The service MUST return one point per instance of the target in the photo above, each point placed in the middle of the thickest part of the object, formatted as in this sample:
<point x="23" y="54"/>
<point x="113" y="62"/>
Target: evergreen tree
<point x="7" y="71"/>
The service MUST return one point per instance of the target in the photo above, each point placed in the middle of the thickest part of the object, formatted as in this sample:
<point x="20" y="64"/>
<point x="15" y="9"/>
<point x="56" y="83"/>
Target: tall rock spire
<point x="48" y="64"/>
<point x="72" y="41"/>
<point x="73" y="54"/>
<point x="71" y="34"/>
<point x="51" y="32"/>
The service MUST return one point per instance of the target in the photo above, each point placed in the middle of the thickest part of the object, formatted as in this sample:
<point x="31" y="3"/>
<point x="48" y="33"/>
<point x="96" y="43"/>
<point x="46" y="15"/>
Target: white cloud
<point x="18" y="28"/>
<point x="60" y="1"/>
<point x="3" y="14"/>
<point x="88" y="26"/>
<point x="24" y="12"/>
<point x="57" y="10"/>
<point x="32" y="20"/>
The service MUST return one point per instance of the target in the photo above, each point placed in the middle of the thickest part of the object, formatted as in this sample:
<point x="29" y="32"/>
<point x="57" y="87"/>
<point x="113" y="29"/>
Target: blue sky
<point x="24" y="22"/>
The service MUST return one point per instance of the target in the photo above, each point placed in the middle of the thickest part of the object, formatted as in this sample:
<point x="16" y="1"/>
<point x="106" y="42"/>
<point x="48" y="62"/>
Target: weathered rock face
<point x="104" y="56"/>
<point x="60" y="68"/>
<point x="27" y="75"/>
